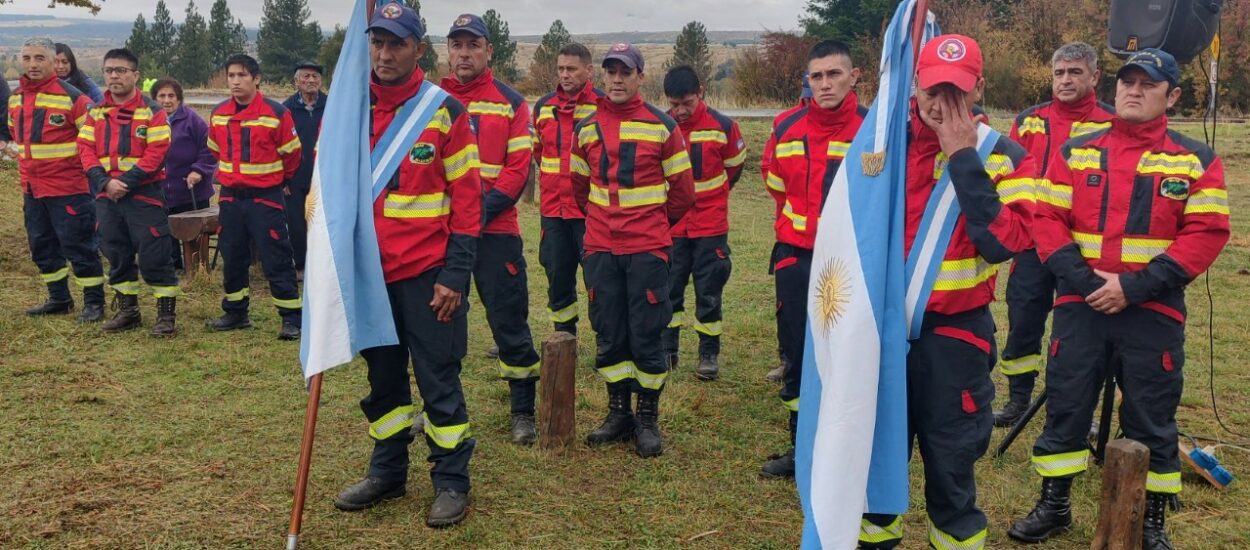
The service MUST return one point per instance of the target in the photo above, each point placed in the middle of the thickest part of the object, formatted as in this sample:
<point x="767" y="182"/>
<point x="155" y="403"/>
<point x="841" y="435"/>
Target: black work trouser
<point x="296" y="225"/>
<point x="629" y="309"/>
<point x="502" y="284"/>
<point x="949" y="393"/>
<point x="435" y="350"/>
<point x="1030" y="297"/>
<point x="560" y="252"/>
<point x="138" y="225"/>
<point x="61" y="230"/>
<point x="1144" y="347"/>
<point x="256" y="217"/>
<point x="706" y="259"/>
<point x="792" y="268"/>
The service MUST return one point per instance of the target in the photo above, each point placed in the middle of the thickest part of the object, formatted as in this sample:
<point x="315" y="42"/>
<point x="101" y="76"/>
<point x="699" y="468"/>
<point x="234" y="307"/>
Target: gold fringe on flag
<point x="873" y="163"/>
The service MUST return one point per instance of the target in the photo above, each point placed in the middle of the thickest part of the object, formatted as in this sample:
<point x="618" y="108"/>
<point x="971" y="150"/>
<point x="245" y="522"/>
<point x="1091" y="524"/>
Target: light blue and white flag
<point x="852" y="444"/>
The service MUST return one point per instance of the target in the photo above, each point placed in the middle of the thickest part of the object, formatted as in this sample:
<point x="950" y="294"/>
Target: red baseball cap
<point x="949" y="59"/>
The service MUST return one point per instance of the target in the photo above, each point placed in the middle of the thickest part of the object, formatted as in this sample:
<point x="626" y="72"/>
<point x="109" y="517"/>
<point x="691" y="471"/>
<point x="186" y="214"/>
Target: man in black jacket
<point x="307" y="106"/>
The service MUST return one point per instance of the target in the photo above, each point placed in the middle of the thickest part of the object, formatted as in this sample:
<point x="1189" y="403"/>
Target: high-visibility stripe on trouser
<point x="679" y="319"/>
<point x="86" y="282"/>
<point x="871" y="533"/>
<point x="1021" y="365"/>
<point x="791" y="405"/>
<point x="946" y="541"/>
<point x="1062" y="464"/>
<point x="511" y="372"/>
<point x="650" y="381"/>
<point x="711" y="328"/>
<point x="447" y="437"/>
<point x="129" y="288"/>
<point x="238" y="296"/>
<point x="55" y="276"/>
<point x="563" y="315"/>
<point x="392" y="422"/>
<point x="1169" y="483"/>
<point x="618" y="372"/>
<point x="166" y="291"/>
<point x="293" y="303"/>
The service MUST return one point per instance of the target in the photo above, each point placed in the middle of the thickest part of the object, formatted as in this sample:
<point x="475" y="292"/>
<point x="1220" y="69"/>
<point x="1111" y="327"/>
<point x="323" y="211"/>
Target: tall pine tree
<point x="845" y="19"/>
<point x="193" y="67"/>
<point x="503" y="62"/>
<point x="542" y="76"/>
<point x="161" y="37"/>
<point x="286" y="37"/>
<point x="226" y="36"/>
<point x="328" y="57"/>
<point x="691" y="49"/>
<point x="138" y="41"/>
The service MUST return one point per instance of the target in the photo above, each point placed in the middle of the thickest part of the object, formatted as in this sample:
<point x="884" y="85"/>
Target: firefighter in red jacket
<point x="632" y="178"/>
<point x="701" y="239"/>
<point x="44" y="115"/>
<point x="1126" y="218"/>
<point x="1042" y="129"/>
<point x="123" y="146"/>
<point x="500" y="118"/>
<point x="258" y="152"/>
<point x="804" y="151"/>
<point x="427" y="220"/>
<point x="949" y="390"/>
<point x="563" y="223"/>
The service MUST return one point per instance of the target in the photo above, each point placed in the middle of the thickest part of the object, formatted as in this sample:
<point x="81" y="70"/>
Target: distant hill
<point x="653" y="37"/>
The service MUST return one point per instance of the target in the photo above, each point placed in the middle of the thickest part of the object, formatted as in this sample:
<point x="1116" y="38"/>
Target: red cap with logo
<point x="949" y="59"/>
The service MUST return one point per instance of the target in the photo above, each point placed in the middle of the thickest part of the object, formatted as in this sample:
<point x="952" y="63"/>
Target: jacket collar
<point x="1147" y="133"/>
<point x="251" y="108"/>
<point x="1075" y="111"/>
<point x="834" y="119"/>
<point x="131" y="104"/>
<point x="457" y="88"/>
<point x="27" y="85"/>
<point x="689" y="124"/>
<point x="296" y="101"/>
<point x="622" y="109"/>
<point x="389" y="98"/>
<point x="583" y="96"/>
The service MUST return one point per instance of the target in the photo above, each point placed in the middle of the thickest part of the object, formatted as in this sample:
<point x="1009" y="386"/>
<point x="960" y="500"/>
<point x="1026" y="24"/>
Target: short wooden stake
<point x="556" y="424"/>
<point x="1123" y="504"/>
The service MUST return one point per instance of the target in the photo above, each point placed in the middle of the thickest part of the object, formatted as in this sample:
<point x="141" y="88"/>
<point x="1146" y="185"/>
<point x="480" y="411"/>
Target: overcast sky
<point x="524" y="16"/>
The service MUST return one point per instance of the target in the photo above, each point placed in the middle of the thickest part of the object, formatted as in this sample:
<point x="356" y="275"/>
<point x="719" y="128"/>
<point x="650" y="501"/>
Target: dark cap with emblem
<point x="310" y="66"/>
<point x="1158" y="64"/>
<point x="399" y="20"/>
<point x="626" y="53"/>
<point x="472" y="24"/>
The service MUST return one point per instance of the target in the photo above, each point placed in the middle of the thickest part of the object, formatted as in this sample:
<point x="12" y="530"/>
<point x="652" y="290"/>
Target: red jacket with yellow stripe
<point x="1138" y="200"/>
<point x="631" y="176"/>
<point x="717" y="152"/>
<point x="1042" y="129"/>
<point x="44" y="118"/>
<point x="801" y="158"/>
<point x="555" y="115"/>
<point x="255" y="145"/>
<point x="996" y="209"/>
<point x="500" y="118"/>
<point x="430" y="214"/>
<point x="126" y="141"/>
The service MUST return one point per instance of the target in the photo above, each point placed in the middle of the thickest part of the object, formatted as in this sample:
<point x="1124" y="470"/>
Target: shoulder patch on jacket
<point x="1082" y="141"/>
<point x="1030" y="112"/>
<point x="278" y="108"/>
<point x="1013" y="150"/>
<point x="662" y="116"/>
<point x="1109" y="109"/>
<point x="455" y="109"/>
<point x="151" y="104"/>
<point x="577" y="129"/>
<point x="785" y="125"/>
<point x="1204" y="153"/>
<point x="514" y="97"/>
<point x="71" y="91"/>
<point x="599" y="93"/>
<point x="861" y="110"/>
<point x="218" y="106"/>
<point x="542" y="101"/>
<point x="726" y="123"/>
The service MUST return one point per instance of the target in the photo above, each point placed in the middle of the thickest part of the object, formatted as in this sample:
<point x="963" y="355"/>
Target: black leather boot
<point x="1051" y="515"/>
<point x="619" y="424"/>
<point x="52" y="307"/>
<point x="127" y="317"/>
<point x="709" y="368"/>
<point x="449" y="508"/>
<point x="648" y="442"/>
<point x="1010" y="413"/>
<point x="166" y="313"/>
<point x="1153" y="535"/>
<point x="782" y="466"/>
<point x="231" y="320"/>
<point x="369" y="492"/>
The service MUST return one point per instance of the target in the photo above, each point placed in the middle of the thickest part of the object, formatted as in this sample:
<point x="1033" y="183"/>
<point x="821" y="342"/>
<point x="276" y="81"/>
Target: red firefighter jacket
<point x="631" y="176"/>
<point x="996" y="209"/>
<point x="255" y="144"/>
<point x="1042" y="129"/>
<point x="1138" y="200"/>
<point x="555" y="115"/>
<point x="717" y="152"/>
<point x="801" y="157"/>
<point x="500" y="119"/>
<point x="430" y="213"/>
<point x="44" y="118"/>
<point x="126" y="141"/>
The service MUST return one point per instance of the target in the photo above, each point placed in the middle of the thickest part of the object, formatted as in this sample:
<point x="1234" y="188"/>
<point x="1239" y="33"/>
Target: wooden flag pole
<point x="921" y="17"/>
<point x="305" y="461"/>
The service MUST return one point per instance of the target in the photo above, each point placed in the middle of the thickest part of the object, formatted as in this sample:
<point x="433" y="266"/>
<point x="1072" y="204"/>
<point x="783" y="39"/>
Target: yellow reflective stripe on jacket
<point x="563" y="315"/>
<point x="679" y="319"/>
<point x="447" y="437"/>
<point x="1085" y="158"/>
<point x="491" y="170"/>
<point x="53" y="101"/>
<point x="942" y="540"/>
<point x="220" y="120"/>
<point x="40" y="151"/>
<point x="588" y="134"/>
<point x="599" y="195"/>
<point x="238" y="296"/>
<point x="129" y="288"/>
<point x="775" y="183"/>
<point x="212" y="146"/>
<point x="838" y="149"/>
<point x="1169" y="483"/>
<point x="1063" y="464"/>
<point x="292" y="303"/>
<point x="708" y="136"/>
<point x="58" y="275"/>
<point x="1085" y="128"/>
<point x="430" y="205"/>
<point x="963" y="274"/>
<point x="710" y="185"/>
<point x="711" y="328"/>
<point x="1186" y="165"/>
<point x="459" y="164"/>
<point x="290" y="146"/>
<point x="797" y="220"/>
<point x="585" y="110"/>
<point x="89" y="281"/>
<point x="15" y="100"/>
<point x="123" y="163"/>
<point x="737" y="160"/>
<point x="250" y="168"/>
<point x="1021" y="365"/>
<point x="1207" y="201"/>
<point x="650" y="381"/>
<point x="576" y="164"/>
<point x="392" y="422"/>
<point x="1141" y="250"/>
<point x="441" y="121"/>
<point x="511" y="372"/>
<point x="166" y="291"/>
<point x="550" y="165"/>
<point x="1089" y="243"/>
<point x="644" y="131"/>
<point x="547" y="112"/>
<point x="156" y="134"/>
<point x="791" y="405"/>
<point x="999" y="166"/>
<point x="871" y="533"/>
<point x="790" y="149"/>
<point x="618" y="372"/>
<point x="264" y="121"/>
<point x="489" y="108"/>
<point x="87" y="133"/>
<point x="522" y="143"/>
<point x="633" y="197"/>
<point x="1054" y="194"/>
<point x="676" y="164"/>
<point x="1031" y="125"/>
<point x="1016" y="189"/>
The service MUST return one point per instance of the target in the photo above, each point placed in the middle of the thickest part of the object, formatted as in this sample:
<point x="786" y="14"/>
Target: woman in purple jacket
<point x="189" y="164"/>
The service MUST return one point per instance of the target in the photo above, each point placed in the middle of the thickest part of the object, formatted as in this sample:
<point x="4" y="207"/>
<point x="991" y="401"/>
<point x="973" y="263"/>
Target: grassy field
<point x="125" y="441"/>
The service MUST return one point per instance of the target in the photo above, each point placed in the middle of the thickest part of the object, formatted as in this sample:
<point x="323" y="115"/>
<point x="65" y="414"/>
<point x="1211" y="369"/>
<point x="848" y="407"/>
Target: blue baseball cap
<point x="1160" y="65"/>
<point x="472" y="24"/>
<point x="399" y="20"/>
<point x="626" y="53"/>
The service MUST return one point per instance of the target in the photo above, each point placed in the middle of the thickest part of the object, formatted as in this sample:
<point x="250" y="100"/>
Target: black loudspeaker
<point x="1183" y="28"/>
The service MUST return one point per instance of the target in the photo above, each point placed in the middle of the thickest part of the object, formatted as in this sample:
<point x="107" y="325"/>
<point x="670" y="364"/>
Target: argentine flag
<point x="346" y="307"/>
<point x="851" y="447"/>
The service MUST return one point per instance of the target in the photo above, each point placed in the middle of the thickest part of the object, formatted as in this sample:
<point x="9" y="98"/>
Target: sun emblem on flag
<point x="833" y="292"/>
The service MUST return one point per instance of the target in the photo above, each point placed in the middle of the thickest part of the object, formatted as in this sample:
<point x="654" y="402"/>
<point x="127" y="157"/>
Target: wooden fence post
<point x="557" y="427"/>
<point x="1123" y="502"/>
